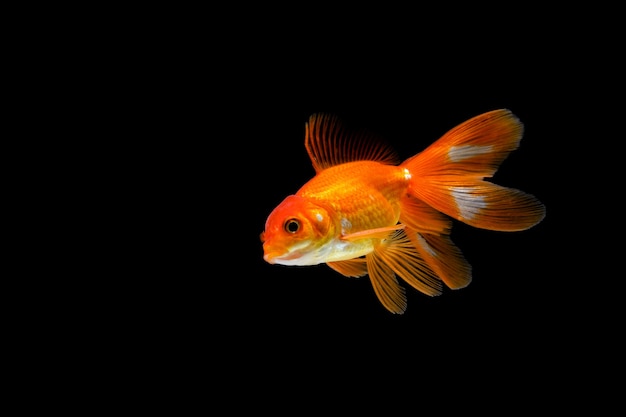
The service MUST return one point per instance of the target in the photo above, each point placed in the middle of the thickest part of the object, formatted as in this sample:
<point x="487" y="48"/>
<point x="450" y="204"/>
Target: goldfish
<point x="366" y="212"/>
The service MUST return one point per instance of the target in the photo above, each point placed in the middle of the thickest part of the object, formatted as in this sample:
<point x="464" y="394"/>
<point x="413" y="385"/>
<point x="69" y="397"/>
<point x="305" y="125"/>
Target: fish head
<point x="296" y="232"/>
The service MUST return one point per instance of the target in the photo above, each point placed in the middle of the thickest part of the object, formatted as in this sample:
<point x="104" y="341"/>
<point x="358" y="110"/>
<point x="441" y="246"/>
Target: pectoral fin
<point x="402" y="257"/>
<point x="389" y="292"/>
<point x="378" y="233"/>
<point x="397" y="256"/>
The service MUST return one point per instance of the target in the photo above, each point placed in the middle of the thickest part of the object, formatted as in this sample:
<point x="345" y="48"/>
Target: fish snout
<point x="269" y="258"/>
<point x="270" y="254"/>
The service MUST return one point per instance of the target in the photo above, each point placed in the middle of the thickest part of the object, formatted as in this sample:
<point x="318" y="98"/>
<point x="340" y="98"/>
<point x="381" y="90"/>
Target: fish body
<point x="366" y="213"/>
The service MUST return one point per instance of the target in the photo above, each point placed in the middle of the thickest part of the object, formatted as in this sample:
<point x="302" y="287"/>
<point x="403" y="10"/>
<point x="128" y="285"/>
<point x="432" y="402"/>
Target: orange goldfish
<point x="366" y="213"/>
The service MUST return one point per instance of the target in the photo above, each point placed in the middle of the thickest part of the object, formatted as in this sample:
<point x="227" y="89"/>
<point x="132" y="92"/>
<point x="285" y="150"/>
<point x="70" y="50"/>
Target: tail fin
<point x="450" y="175"/>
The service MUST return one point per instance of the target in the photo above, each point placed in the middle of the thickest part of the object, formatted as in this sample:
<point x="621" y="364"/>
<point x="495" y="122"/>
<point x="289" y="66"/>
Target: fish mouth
<point x="269" y="258"/>
<point x="275" y="257"/>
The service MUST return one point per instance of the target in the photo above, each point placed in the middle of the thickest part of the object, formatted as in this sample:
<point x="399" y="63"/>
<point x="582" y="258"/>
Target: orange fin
<point x="389" y="292"/>
<point x="474" y="148"/>
<point x="490" y="206"/>
<point x="420" y="216"/>
<point x="398" y="253"/>
<point x="356" y="267"/>
<point x="428" y="230"/>
<point x="450" y="175"/>
<point x="380" y="233"/>
<point x="329" y="143"/>
<point x="444" y="257"/>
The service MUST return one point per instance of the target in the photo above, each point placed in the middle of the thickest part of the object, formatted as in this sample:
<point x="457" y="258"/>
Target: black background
<point x="202" y="135"/>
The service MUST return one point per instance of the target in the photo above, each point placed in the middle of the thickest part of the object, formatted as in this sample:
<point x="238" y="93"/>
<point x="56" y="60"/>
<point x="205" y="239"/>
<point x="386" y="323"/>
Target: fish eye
<point x="292" y="226"/>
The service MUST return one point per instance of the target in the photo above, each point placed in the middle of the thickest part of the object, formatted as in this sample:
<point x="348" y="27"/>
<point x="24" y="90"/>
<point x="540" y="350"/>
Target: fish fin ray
<point x="493" y="207"/>
<point x="402" y="257"/>
<point x="444" y="257"/>
<point x="450" y="175"/>
<point x="421" y="217"/>
<point x="387" y="288"/>
<point x="328" y="142"/>
<point x="475" y="147"/>
<point x="486" y="205"/>
<point x="356" y="267"/>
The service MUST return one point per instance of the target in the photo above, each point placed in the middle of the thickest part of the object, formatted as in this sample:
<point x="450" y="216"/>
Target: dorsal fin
<point x="328" y="142"/>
